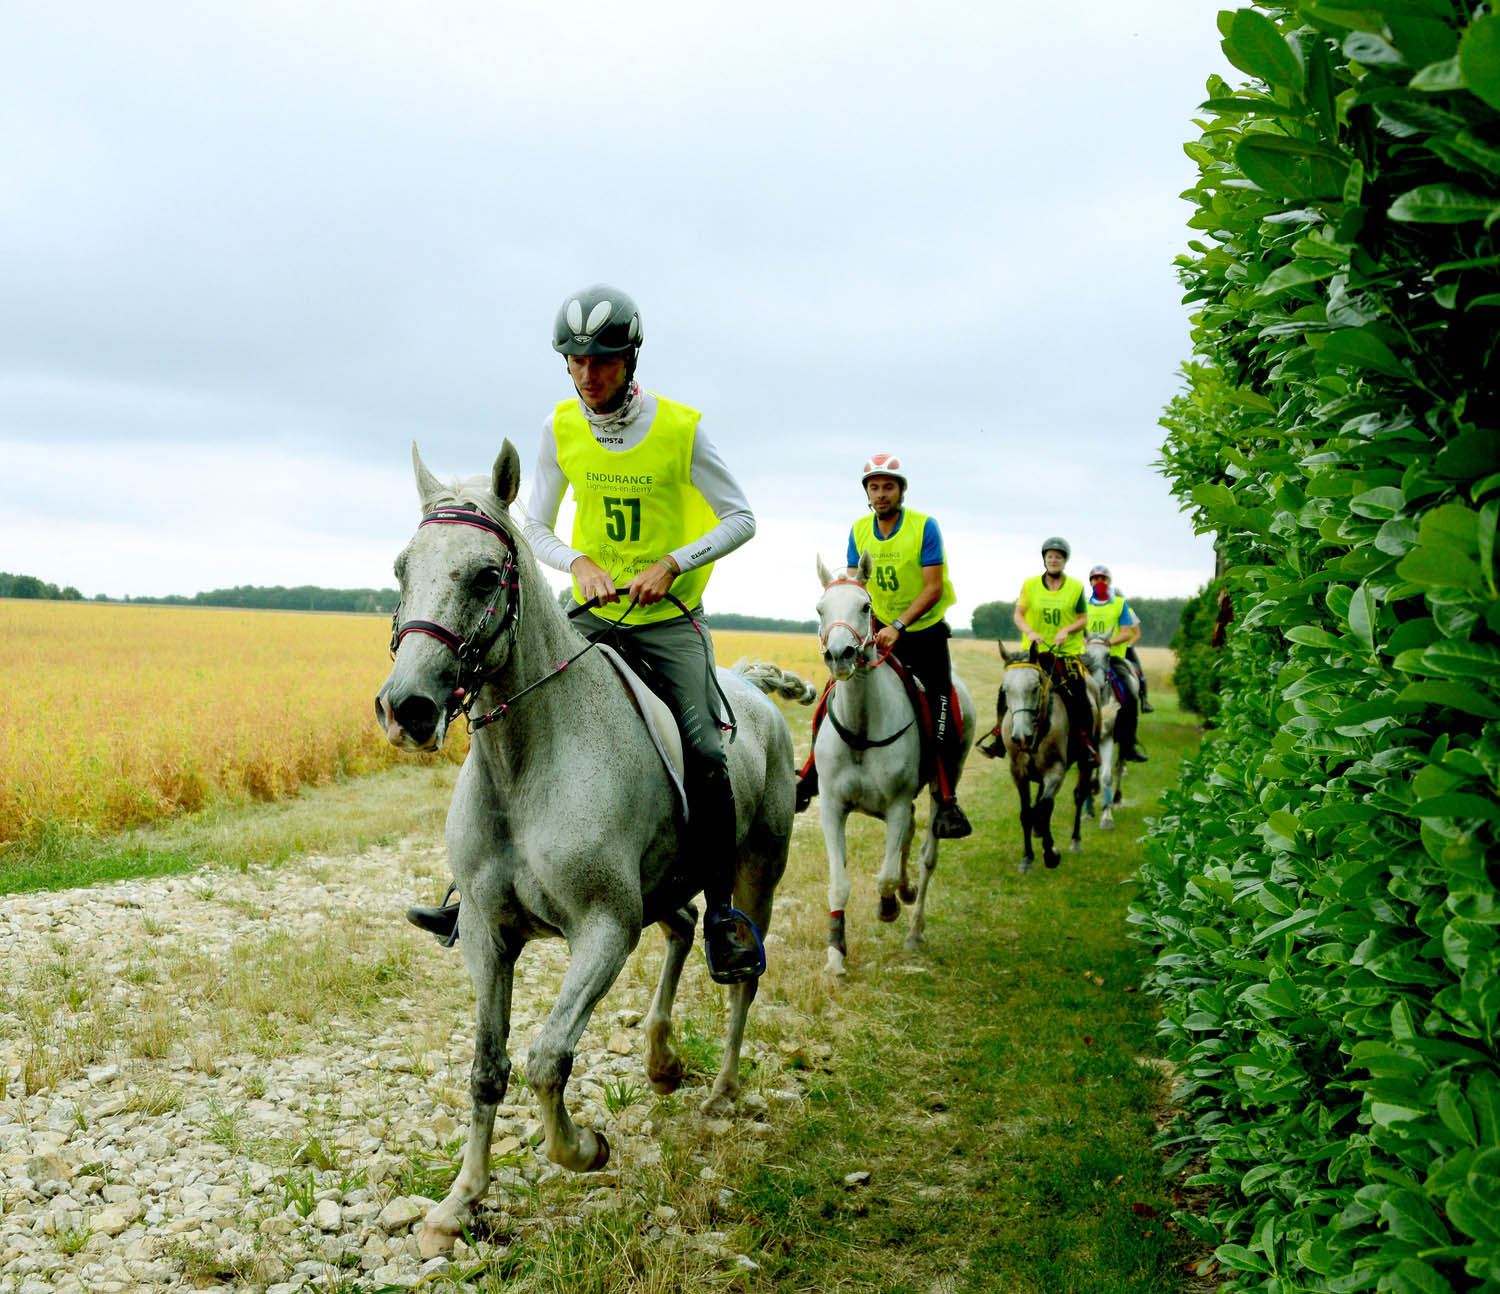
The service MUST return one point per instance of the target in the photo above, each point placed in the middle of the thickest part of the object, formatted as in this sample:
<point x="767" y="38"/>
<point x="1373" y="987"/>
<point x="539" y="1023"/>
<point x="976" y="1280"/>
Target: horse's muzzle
<point x="411" y="720"/>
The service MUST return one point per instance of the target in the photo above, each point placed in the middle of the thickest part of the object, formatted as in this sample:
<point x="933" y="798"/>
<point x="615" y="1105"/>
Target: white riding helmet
<point x="883" y="465"/>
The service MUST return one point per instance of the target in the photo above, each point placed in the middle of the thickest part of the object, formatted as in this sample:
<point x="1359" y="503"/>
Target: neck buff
<point x="617" y="419"/>
<point x="1101" y="590"/>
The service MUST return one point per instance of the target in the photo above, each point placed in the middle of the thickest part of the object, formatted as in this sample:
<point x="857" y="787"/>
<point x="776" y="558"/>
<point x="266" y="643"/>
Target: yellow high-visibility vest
<point x="897" y="575"/>
<point x="1104" y="621"/>
<point x="639" y="504"/>
<point x="1047" y="611"/>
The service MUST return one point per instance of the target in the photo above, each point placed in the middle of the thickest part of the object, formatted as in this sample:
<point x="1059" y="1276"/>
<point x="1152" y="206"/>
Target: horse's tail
<point x="775" y="681"/>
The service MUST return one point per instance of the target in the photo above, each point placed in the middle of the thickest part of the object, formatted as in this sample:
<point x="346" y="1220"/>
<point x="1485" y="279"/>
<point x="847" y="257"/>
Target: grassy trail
<point x="998" y="1088"/>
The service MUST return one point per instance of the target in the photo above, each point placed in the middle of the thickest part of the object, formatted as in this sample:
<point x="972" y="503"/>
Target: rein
<point x="474" y="648"/>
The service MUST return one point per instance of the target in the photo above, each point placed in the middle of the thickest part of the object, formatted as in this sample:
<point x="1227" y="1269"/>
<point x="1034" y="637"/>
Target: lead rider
<point x="656" y="507"/>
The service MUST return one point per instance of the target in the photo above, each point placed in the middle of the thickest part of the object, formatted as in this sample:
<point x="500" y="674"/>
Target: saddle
<point x="917" y="694"/>
<point x="660" y="722"/>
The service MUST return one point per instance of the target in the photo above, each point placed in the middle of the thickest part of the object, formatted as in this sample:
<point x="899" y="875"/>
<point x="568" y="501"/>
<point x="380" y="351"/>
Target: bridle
<point x="864" y="641"/>
<point x="854" y="740"/>
<point x="473" y="648"/>
<point x="1043" y="700"/>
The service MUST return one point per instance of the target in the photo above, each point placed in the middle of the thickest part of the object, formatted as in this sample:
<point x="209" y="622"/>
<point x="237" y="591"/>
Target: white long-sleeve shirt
<point x="710" y="476"/>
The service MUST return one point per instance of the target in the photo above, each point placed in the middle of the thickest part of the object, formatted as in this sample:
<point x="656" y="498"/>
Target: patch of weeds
<point x="152" y="926"/>
<point x="205" y="891"/>
<point x="430" y="1174"/>
<point x="621" y="1094"/>
<point x="315" y="1154"/>
<point x="158" y="1099"/>
<point x="299" y="1193"/>
<point x="223" y="1126"/>
<point x="140" y="973"/>
<point x="255" y="1086"/>
<point x="72" y="1240"/>
<point x="200" y="1262"/>
<point x="698" y="1052"/>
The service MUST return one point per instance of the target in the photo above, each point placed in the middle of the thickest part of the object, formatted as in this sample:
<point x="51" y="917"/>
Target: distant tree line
<point x="1158" y="616"/>
<point x="305" y="597"/>
<point x="28" y="586"/>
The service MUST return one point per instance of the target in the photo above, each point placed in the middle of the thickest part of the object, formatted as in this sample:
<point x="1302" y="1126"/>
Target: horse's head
<point x="1096" y="655"/>
<point x="1025" y="693"/>
<point x="460" y="602"/>
<point x="846" y="626"/>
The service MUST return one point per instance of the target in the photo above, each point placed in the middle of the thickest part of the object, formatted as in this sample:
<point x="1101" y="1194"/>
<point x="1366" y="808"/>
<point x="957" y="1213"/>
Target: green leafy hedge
<point x="1323" y="888"/>
<point x="1196" y="673"/>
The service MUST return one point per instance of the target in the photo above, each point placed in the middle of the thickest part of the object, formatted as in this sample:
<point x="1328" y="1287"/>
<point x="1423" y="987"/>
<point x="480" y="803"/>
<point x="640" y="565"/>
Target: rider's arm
<point x="548" y="485"/>
<point x="1073" y="626"/>
<point x="1130" y="628"/>
<point x="932" y="575"/>
<point x="735" y="522"/>
<point x="1019" y="616"/>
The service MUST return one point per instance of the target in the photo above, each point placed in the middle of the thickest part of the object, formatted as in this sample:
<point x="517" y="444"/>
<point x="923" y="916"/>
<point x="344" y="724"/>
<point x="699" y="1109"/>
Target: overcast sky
<point x="250" y="250"/>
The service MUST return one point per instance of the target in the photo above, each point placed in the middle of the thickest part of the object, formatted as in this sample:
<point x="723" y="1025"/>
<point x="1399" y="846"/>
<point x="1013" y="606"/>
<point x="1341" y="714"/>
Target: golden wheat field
<point x="116" y="715"/>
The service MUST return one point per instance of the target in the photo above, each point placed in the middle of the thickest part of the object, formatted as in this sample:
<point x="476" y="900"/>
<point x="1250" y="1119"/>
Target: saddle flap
<point x="661" y="723"/>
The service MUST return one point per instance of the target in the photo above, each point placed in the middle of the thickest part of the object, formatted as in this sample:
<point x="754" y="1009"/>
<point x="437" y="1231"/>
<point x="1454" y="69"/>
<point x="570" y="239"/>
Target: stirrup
<point x="440" y="922"/>
<point x="950" y="822"/>
<point x="744" y="956"/>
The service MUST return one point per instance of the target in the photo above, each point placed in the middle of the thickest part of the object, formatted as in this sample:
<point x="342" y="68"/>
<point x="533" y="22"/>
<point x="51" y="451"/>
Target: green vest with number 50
<point x="636" y="505"/>
<point x="896" y="578"/>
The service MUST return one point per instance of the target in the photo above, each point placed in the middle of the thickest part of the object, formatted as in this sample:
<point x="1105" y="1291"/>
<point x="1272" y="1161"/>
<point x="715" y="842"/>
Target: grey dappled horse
<point x="564" y="821"/>
<point x="1111" y="759"/>
<point x="1034" y="734"/>
<point x="868" y="753"/>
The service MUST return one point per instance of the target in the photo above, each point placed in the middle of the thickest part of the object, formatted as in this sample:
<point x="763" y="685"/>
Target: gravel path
<point x="184" y="1132"/>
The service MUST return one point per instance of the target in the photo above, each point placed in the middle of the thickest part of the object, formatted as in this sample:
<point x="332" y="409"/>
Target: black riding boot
<point x="994" y="747"/>
<point x="949" y="822"/>
<point x="440" y="922"/>
<point x="807" y="785"/>
<point x="731" y="941"/>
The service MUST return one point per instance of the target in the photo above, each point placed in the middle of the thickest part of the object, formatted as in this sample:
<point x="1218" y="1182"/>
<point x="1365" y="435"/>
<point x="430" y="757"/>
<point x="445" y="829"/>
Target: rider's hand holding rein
<point x="887" y="638"/>
<point x="652" y="584"/>
<point x="594" y="581"/>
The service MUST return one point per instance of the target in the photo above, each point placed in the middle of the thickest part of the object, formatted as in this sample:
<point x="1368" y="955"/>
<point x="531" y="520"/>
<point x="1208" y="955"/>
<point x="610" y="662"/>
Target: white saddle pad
<point x="661" y="723"/>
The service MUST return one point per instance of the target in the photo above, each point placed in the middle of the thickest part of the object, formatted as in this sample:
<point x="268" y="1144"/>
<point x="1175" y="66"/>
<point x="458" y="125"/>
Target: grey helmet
<point x="1059" y="543"/>
<point x="599" y="320"/>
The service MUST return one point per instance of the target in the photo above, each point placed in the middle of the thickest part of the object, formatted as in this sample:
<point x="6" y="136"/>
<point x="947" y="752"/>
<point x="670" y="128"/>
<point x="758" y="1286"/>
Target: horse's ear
<point x="1031" y="655"/>
<point x="428" y="486"/>
<point x="824" y="577"/>
<point x="505" y="481"/>
<point x="866" y="566"/>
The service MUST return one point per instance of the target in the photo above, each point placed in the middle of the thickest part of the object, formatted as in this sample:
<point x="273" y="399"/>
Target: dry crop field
<point x="119" y="715"/>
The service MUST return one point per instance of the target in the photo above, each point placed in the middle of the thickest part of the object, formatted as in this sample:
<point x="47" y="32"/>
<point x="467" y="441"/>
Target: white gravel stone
<point x="180" y="1153"/>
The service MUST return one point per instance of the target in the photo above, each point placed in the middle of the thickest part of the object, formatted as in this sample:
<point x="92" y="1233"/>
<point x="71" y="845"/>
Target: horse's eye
<point x="487" y="581"/>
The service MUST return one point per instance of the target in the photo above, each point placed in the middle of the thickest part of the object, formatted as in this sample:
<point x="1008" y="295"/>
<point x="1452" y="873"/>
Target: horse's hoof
<point x="835" y="964"/>
<point x="1107" y="825"/>
<point x="601" y="1155"/>
<point x="667" y="1079"/>
<point x="1024" y="866"/>
<point x="908" y="893"/>
<point x="719" y="1104"/>
<point x="1051" y="860"/>
<point x="434" y="1241"/>
<point x="889" y="908"/>
<point x="1075" y="846"/>
<point x="913" y="943"/>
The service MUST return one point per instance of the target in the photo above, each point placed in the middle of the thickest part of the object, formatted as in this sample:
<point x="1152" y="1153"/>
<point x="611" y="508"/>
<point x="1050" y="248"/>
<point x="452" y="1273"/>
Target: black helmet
<point x="599" y="320"/>
<point x="1059" y="543"/>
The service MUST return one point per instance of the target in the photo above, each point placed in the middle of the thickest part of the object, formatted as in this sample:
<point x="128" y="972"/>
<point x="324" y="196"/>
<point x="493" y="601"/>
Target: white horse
<point x="868" y="753"/>
<point x="1111" y="758"/>
<point x="564" y="821"/>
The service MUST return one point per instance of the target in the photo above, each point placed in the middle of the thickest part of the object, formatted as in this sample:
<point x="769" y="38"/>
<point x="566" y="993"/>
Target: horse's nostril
<point x="418" y="716"/>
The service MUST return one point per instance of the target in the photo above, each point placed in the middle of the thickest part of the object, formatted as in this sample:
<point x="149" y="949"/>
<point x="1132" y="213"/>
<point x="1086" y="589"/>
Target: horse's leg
<point x="908" y="891"/>
<point x="1046" y="801"/>
<point x="597" y="951"/>
<point x="492" y="969"/>
<point x="1080" y="793"/>
<point x="926" y="865"/>
<point x="1023" y="789"/>
<point x="1108" y="760"/>
<point x="898" y="819"/>
<point x="753" y="897"/>
<point x="838" y="883"/>
<point x="663" y="1068"/>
